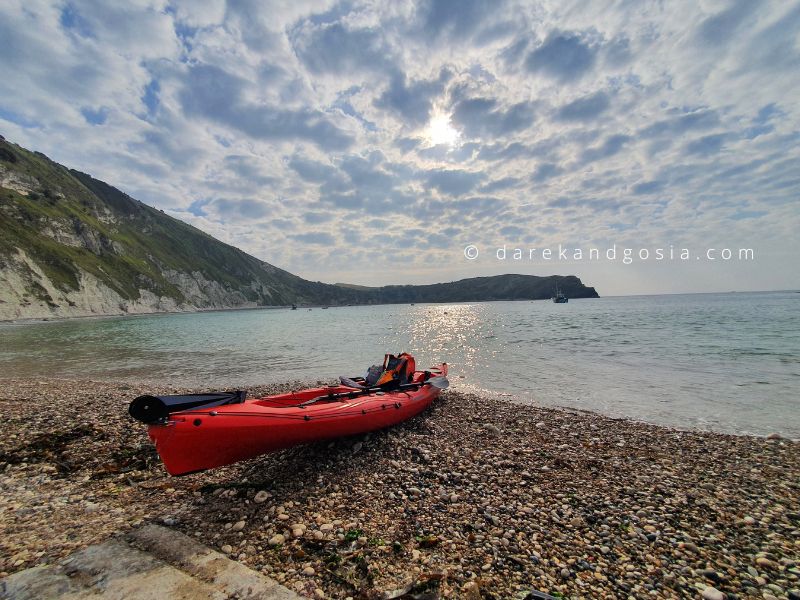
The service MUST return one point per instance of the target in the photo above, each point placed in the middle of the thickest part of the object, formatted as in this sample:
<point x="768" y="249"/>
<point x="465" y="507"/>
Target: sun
<point x="441" y="132"/>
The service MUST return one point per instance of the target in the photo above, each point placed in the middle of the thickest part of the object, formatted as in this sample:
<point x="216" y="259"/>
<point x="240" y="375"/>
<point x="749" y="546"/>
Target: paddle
<point x="152" y="409"/>
<point x="440" y="383"/>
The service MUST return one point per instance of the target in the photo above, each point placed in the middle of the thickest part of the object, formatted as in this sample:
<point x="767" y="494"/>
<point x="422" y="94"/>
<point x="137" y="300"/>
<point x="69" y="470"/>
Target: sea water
<point x="725" y="362"/>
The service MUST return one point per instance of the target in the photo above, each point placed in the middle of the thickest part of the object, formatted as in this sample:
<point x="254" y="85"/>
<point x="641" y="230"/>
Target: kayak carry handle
<point x="156" y="409"/>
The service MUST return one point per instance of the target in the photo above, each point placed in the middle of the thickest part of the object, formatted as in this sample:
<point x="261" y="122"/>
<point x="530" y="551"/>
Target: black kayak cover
<point x="152" y="409"/>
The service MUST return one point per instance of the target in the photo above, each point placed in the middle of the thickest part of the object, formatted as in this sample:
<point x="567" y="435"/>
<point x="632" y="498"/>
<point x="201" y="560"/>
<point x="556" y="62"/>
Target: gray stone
<point x="712" y="593"/>
<point x="149" y="563"/>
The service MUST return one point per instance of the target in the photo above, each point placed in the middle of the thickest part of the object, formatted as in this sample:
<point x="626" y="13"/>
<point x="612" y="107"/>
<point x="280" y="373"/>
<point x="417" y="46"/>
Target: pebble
<point x="308" y="571"/>
<point x="261" y="497"/>
<point x="276" y="539"/>
<point x="226" y="549"/>
<point x="764" y="562"/>
<point x="712" y="593"/>
<point x="238" y="526"/>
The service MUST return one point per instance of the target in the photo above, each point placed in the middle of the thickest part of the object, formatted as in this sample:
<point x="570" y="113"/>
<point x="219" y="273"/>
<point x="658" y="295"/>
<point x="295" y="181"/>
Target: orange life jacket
<point x="397" y="370"/>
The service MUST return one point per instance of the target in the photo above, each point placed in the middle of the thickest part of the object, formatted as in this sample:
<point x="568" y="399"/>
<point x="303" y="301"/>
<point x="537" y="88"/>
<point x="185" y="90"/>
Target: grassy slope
<point x="151" y="241"/>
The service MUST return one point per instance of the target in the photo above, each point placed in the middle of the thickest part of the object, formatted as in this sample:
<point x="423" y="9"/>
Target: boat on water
<point x="203" y="431"/>
<point x="559" y="297"/>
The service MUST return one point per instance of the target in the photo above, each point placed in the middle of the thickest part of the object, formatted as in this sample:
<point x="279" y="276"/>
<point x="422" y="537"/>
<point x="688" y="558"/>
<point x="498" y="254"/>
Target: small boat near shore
<point x="203" y="431"/>
<point x="559" y="297"/>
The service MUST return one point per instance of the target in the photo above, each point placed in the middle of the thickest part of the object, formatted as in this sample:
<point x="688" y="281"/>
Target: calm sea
<point x="726" y="362"/>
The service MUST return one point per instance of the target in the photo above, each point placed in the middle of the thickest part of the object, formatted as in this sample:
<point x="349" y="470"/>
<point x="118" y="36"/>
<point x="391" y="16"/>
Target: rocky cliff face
<point x="26" y="292"/>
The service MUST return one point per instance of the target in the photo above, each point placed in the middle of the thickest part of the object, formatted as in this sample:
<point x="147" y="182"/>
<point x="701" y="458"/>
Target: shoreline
<point x="56" y="319"/>
<point x="31" y="320"/>
<point x="474" y="494"/>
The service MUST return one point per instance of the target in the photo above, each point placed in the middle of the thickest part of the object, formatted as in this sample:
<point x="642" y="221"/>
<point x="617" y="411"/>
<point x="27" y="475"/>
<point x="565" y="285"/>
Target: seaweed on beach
<point x="50" y="448"/>
<point x="125" y="459"/>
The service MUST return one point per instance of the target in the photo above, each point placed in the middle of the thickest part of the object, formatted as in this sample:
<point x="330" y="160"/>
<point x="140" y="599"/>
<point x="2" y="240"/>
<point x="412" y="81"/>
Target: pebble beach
<point x="475" y="498"/>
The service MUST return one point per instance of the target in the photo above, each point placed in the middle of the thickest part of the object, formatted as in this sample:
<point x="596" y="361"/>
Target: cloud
<point x="484" y="118"/>
<point x="407" y="144"/>
<point x="721" y="27"/>
<point x="564" y="56"/>
<point x="453" y="182"/>
<point x="611" y="146"/>
<point x="316" y="218"/>
<point x="585" y="108"/>
<point x="690" y="121"/>
<point x="708" y="144"/>
<point x="366" y="173"/>
<point x="316" y="238"/>
<point x="217" y="95"/>
<point x="313" y="171"/>
<point x="499" y="185"/>
<point x="512" y="151"/>
<point x="648" y="187"/>
<point x="774" y="48"/>
<point x="332" y="48"/>
<point x="412" y="101"/>
<point x="239" y="209"/>
<point x="457" y="20"/>
<point x="250" y="168"/>
<point x="545" y="171"/>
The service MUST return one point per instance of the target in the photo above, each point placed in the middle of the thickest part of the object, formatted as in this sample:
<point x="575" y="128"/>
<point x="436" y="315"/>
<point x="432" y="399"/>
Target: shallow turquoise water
<point x="727" y="362"/>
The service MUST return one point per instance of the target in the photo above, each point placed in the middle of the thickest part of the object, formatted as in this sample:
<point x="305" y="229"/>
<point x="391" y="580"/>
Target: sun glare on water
<point x="440" y="131"/>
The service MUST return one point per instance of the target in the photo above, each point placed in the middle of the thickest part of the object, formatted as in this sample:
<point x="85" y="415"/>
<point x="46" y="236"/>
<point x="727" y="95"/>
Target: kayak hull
<point x="196" y="440"/>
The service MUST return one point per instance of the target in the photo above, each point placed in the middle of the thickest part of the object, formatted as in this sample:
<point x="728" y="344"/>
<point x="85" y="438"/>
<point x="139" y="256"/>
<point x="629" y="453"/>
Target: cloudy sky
<point x="371" y="142"/>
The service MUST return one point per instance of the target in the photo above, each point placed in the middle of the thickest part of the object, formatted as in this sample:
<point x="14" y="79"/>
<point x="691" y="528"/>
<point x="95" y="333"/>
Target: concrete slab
<point x="149" y="563"/>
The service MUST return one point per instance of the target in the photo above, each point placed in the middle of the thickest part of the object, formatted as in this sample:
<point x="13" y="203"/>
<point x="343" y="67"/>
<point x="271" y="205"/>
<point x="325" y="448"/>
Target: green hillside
<point x="497" y="287"/>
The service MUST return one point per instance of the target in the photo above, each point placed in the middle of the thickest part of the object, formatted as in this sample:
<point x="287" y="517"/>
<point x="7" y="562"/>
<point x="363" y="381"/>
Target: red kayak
<point x="194" y="433"/>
